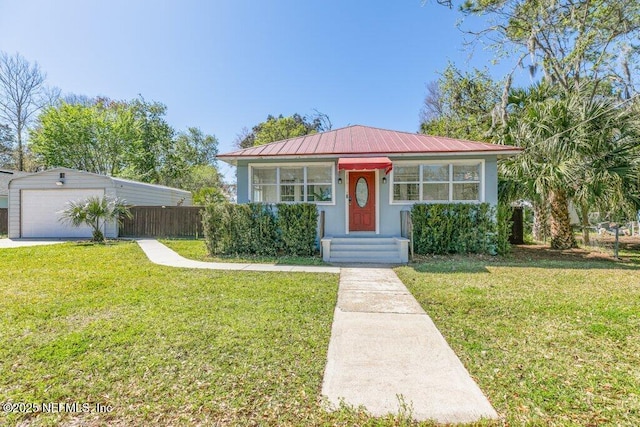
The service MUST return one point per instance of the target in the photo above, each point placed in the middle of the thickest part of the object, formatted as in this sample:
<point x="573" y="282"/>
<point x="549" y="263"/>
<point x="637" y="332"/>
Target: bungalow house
<point x="362" y="178"/>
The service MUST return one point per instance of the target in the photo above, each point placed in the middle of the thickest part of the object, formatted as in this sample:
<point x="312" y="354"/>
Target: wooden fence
<point x="517" y="227"/>
<point x="160" y="221"/>
<point x="4" y="221"/>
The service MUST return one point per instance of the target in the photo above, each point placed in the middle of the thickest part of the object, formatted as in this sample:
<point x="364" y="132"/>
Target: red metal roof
<point x="361" y="141"/>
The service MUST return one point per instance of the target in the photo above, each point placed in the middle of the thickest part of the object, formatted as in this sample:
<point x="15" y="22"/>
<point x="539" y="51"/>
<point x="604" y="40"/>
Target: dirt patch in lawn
<point x="545" y="253"/>
<point x="600" y="250"/>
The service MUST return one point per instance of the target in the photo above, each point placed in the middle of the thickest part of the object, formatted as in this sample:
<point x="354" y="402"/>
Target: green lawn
<point x="550" y="342"/>
<point x="196" y="249"/>
<point x="162" y="346"/>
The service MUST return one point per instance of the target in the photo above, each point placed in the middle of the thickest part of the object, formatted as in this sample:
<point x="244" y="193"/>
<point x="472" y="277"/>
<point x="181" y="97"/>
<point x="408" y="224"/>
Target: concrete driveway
<point x="19" y="243"/>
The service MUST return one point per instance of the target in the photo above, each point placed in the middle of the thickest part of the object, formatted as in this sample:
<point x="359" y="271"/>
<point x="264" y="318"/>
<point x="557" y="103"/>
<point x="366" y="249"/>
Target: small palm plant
<point x="95" y="212"/>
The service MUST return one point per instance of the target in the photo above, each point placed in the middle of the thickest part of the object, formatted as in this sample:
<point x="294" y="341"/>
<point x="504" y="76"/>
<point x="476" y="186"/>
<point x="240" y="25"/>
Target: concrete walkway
<point x="385" y="353"/>
<point x="160" y="254"/>
<point x="19" y="243"/>
<point x="384" y="349"/>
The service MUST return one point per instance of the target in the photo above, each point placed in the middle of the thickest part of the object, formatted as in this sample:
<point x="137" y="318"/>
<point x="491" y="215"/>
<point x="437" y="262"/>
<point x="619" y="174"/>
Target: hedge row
<point x="448" y="228"/>
<point x="258" y="229"/>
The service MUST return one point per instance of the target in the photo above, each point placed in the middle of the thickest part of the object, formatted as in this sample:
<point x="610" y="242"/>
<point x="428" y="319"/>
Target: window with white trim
<point x="406" y="183"/>
<point x="319" y="183"/>
<point x="265" y="185"/>
<point x="466" y="182"/>
<point x="437" y="182"/>
<point x="292" y="184"/>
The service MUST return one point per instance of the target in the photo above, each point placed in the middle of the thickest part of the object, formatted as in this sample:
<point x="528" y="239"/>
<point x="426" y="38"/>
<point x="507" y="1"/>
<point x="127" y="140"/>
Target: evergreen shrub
<point x="260" y="229"/>
<point x="457" y="228"/>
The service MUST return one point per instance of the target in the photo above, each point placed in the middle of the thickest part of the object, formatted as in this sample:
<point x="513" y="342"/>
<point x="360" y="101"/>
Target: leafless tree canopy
<point x="447" y="3"/>
<point x="244" y="138"/>
<point x="433" y="106"/>
<point x="22" y="94"/>
<point x="321" y="120"/>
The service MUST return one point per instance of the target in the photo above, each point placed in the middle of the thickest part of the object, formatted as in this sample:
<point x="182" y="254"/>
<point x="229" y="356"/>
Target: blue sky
<point x="221" y="65"/>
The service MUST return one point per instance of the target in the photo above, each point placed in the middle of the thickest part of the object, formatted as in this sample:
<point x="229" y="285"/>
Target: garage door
<point x="40" y="212"/>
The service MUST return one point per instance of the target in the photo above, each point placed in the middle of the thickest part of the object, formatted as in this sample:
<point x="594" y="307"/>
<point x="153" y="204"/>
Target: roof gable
<point x="6" y="176"/>
<point x="111" y="179"/>
<point x="58" y="170"/>
<point x="363" y="140"/>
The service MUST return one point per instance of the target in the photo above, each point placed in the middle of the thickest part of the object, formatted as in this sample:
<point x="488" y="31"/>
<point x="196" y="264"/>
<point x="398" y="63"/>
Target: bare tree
<point x="245" y="138"/>
<point x="433" y="107"/>
<point x="75" y="99"/>
<point x="22" y="94"/>
<point x="320" y="120"/>
<point x="6" y="144"/>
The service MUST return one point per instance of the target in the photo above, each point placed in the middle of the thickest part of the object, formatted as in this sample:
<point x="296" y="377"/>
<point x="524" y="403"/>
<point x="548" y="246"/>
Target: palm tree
<point x="609" y="145"/>
<point x="576" y="146"/>
<point x="95" y="212"/>
<point x="537" y="122"/>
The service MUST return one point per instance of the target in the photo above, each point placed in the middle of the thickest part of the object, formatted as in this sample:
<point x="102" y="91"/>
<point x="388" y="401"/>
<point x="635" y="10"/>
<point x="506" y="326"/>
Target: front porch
<point x="358" y="248"/>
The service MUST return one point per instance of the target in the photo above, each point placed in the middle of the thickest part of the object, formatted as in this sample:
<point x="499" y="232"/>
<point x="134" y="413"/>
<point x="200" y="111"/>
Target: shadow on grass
<point x="108" y="242"/>
<point x="195" y="249"/>
<point x="283" y="260"/>
<point x="450" y="266"/>
<point x="528" y="256"/>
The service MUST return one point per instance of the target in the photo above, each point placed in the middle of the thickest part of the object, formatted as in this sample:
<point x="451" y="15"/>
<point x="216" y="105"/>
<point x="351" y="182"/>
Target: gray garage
<point x="36" y="200"/>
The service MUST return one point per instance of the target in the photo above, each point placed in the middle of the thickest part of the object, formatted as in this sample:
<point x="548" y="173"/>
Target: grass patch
<point x="162" y="346"/>
<point x="197" y="250"/>
<point x="551" y="340"/>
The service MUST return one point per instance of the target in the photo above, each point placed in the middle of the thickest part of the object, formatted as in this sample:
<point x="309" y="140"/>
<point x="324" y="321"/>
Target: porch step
<point x="377" y="250"/>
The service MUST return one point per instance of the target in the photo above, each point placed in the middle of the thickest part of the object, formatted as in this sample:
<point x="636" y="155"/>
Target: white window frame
<point x="278" y="184"/>
<point x="451" y="182"/>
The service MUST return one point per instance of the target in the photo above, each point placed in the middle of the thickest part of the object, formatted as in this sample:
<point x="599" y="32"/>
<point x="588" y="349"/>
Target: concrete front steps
<point x="365" y="249"/>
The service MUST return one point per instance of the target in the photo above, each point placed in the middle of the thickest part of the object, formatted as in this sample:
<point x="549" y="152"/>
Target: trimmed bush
<point x="259" y="229"/>
<point x="214" y="234"/>
<point x="298" y="225"/>
<point x="504" y="223"/>
<point x="456" y="228"/>
<point x="264" y="230"/>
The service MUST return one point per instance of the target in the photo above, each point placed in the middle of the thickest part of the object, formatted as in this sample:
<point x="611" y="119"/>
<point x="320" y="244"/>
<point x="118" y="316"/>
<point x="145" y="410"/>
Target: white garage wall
<point x="41" y="212"/>
<point x="47" y="181"/>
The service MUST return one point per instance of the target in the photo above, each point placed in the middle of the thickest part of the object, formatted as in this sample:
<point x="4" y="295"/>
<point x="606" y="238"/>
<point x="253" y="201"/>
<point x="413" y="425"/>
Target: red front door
<point x="362" y="201"/>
